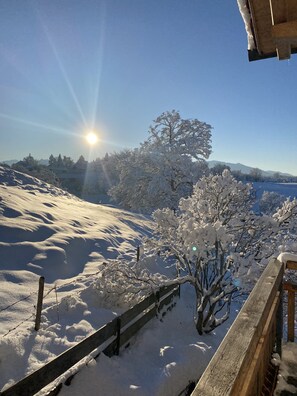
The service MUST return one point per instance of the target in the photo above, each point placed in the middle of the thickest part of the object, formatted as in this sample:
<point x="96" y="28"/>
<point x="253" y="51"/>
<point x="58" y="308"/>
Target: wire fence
<point x="32" y="317"/>
<point x="57" y="287"/>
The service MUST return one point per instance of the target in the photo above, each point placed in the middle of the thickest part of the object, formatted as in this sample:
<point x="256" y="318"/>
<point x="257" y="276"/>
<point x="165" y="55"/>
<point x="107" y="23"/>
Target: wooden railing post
<point x="291" y="288"/>
<point x="291" y="315"/>
<point x="118" y="339"/>
<point x="39" y="303"/>
<point x="279" y="322"/>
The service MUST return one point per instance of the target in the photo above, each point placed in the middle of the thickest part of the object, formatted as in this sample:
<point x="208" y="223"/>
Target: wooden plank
<point x="285" y="31"/>
<point x="289" y="286"/>
<point x="291" y="265"/>
<point x="253" y="372"/>
<point x="136" y="326"/>
<point x="283" y="50"/>
<point x="291" y="10"/>
<point x="166" y="289"/>
<point x="52" y="370"/>
<point x="261" y="23"/>
<point x="291" y="315"/>
<point x="278" y="11"/>
<point x="130" y="331"/>
<point x="167" y="300"/>
<point x="224" y="374"/>
<point x="132" y="313"/>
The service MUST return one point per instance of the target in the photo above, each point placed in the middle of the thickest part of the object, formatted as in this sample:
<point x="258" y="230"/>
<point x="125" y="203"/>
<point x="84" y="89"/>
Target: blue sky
<point x="115" y="65"/>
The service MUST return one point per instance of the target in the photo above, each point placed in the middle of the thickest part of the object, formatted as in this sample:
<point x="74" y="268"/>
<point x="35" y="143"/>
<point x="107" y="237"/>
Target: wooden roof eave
<point x="274" y="27"/>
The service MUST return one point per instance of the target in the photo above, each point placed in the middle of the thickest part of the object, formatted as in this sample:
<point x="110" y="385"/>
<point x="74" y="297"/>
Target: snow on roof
<point x="246" y="16"/>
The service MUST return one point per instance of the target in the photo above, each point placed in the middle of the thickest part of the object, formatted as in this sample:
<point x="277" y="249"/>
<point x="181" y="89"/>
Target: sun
<point x="91" y="138"/>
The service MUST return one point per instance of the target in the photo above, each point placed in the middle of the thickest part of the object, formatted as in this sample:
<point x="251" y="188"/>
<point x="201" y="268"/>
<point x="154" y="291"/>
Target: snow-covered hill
<point x="49" y="232"/>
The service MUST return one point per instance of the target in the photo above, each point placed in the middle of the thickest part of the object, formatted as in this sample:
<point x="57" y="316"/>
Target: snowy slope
<point x="52" y="233"/>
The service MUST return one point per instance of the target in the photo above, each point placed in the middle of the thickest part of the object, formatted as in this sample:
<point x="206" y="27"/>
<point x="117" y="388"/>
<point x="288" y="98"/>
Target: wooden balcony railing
<point x="239" y="366"/>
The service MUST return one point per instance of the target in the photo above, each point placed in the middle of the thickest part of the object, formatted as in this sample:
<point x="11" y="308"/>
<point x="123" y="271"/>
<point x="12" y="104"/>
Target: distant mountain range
<point x="234" y="167"/>
<point x="11" y="162"/>
<point x="245" y="169"/>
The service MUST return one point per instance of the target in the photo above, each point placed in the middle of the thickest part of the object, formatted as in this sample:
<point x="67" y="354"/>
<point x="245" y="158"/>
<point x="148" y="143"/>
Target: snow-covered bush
<point x="123" y="283"/>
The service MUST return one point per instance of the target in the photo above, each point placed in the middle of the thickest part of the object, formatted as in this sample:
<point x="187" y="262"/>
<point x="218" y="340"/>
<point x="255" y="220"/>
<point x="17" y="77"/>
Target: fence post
<point x="39" y="303"/>
<point x="118" y="339"/>
<point x="157" y="303"/>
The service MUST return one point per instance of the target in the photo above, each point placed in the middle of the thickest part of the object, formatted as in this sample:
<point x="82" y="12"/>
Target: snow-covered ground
<point x="286" y="189"/>
<point x="45" y="231"/>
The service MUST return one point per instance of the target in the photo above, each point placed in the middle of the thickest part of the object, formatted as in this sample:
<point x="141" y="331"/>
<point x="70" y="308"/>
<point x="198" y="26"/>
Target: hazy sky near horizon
<point x="115" y="65"/>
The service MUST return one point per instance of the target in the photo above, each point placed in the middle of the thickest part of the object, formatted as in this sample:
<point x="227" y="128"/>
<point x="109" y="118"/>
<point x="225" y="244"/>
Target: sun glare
<point x="91" y="138"/>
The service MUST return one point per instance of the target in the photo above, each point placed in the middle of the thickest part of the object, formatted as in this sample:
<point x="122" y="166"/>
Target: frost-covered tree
<point x="145" y="181"/>
<point x="166" y="166"/>
<point x="170" y="134"/>
<point x="270" y="201"/>
<point x="256" y="174"/>
<point x="218" y="169"/>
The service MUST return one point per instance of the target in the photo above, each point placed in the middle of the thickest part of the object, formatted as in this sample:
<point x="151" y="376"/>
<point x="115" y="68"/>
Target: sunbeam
<point x="100" y="57"/>
<point x="62" y="69"/>
<point x="38" y="125"/>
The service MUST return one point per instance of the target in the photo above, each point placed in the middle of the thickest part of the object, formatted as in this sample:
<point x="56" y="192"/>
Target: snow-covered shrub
<point x="123" y="283"/>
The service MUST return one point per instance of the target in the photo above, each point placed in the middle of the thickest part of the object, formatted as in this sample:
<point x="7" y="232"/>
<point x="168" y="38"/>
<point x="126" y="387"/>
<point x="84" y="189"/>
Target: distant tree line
<point x="157" y="174"/>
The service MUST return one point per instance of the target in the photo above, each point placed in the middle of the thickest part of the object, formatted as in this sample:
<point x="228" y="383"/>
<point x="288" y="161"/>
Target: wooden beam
<point x="288" y="286"/>
<point x="283" y="50"/>
<point x="285" y="31"/>
<point x="291" y="265"/>
<point x="278" y="11"/>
